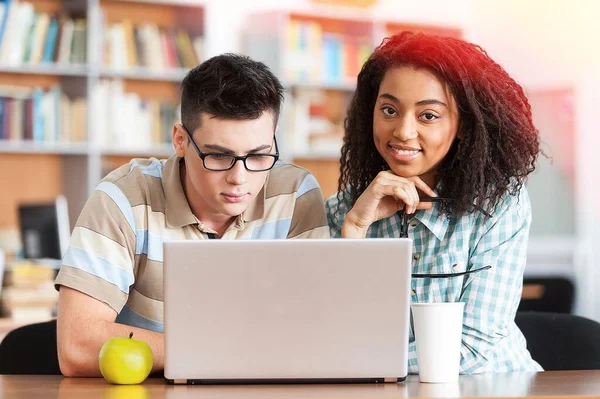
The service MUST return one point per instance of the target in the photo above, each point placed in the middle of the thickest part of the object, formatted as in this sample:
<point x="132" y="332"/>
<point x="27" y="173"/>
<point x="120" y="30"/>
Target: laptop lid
<point x="279" y="310"/>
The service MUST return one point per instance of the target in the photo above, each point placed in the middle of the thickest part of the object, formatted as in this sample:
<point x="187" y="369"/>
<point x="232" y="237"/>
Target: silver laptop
<point x="286" y="311"/>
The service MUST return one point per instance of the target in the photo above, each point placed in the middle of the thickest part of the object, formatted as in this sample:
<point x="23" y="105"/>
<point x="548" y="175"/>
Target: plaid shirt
<point x="491" y="341"/>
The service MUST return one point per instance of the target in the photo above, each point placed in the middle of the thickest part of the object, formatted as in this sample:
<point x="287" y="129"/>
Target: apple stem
<point x="130" y="335"/>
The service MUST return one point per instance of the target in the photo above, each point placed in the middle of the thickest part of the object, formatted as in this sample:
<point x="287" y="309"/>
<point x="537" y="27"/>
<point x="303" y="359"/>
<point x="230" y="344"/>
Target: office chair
<point x="559" y="341"/>
<point x="552" y="294"/>
<point x="30" y="349"/>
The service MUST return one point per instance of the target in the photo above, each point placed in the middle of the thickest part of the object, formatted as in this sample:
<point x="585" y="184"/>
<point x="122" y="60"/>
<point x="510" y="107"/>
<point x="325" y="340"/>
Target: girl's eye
<point x="388" y="111"/>
<point x="429" y="117"/>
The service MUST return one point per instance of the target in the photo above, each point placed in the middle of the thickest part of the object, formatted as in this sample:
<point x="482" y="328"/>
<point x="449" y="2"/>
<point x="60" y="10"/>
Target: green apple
<point x="125" y="361"/>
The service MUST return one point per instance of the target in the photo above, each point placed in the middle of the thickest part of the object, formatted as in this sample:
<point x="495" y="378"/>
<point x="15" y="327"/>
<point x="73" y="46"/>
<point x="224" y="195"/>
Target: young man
<point x="223" y="182"/>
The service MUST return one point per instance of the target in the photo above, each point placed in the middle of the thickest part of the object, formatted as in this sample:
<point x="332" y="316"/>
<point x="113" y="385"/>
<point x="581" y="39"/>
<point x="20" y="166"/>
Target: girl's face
<point x="415" y="122"/>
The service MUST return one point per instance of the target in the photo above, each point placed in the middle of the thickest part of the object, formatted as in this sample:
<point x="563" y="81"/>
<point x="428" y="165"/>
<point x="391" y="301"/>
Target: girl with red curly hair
<point x="438" y="144"/>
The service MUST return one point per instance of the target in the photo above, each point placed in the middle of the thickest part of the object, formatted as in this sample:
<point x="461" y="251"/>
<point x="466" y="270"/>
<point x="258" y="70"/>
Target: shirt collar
<point x="256" y="209"/>
<point x="436" y="221"/>
<point x="177" y="210"/>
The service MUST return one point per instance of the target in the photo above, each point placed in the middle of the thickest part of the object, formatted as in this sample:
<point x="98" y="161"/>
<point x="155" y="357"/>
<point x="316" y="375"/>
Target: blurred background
<point x="86" y="85"/>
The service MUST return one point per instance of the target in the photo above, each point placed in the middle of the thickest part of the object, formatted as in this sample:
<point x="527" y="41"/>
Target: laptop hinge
<point x="390" y="379"/>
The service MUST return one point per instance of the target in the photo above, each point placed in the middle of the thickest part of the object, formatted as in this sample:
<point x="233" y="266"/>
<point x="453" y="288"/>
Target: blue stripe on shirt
<point x="149" y="244"/>
<point x="117" y="195"/>
<point x="309" y="183"/>
<point x="131" y="318"/>
<point x="99" y="267"/>
<point x="277" y="229"/>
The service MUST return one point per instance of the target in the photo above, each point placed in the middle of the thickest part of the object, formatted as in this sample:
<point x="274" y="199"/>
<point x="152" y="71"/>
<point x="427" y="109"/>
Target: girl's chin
<point x="408" y="172"/>
<point x="404" y="171"/>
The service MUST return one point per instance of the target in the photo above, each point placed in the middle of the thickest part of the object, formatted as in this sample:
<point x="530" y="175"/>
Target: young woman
<point x="439" y="141"/>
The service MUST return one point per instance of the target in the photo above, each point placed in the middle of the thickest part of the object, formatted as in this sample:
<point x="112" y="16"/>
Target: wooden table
<point x="565" y="384"/>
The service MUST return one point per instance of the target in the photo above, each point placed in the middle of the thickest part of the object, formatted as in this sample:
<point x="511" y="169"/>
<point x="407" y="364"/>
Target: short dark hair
<point x="499" y="144"/>
<point x="229" y="86"/>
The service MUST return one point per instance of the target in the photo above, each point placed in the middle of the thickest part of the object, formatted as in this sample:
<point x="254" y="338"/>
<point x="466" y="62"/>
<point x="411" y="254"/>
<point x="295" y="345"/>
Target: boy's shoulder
<point x="140" y="175"/>
<point x="136" y="169"/>
<point x="287" y="178"/>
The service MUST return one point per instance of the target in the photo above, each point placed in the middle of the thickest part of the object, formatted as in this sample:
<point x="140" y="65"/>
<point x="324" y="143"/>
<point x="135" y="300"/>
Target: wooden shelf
<point x="392" y="28"/>
<point x="31" y="148"/>
<point x="349" y="87"/>
<point x="163" y="13"/>
<point x="188" y="3"/>
<point x="24" y="147"/>
<point x="160" y="150"/>
<point x="334" y="13"/>
<point x="47" y="69"/>
<point x="167" y="75"/>
<point x="49" y="6"/>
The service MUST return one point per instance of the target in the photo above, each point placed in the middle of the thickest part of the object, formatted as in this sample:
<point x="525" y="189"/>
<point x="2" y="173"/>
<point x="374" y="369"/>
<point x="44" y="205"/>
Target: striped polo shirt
<point x="116" y="249"/>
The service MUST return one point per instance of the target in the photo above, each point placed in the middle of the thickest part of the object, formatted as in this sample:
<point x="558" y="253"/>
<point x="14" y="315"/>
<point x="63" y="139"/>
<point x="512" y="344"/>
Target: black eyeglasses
<point x="219" y="162"/>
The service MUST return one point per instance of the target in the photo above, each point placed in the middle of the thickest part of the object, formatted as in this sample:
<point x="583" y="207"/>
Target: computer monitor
<point x="45" y="229"/>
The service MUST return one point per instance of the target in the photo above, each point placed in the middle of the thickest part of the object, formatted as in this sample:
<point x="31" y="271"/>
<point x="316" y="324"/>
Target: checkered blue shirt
<point x="491" y="341"/>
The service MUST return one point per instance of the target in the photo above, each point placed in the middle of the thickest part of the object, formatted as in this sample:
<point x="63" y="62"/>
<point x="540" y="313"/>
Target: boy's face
<point x="217" y="194"/>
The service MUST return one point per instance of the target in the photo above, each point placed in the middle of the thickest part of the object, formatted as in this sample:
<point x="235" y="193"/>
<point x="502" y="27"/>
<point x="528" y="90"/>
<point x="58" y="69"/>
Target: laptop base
<point x="284" y="381"/>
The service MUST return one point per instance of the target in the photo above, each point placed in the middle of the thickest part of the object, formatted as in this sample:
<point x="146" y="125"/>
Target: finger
<point x="399" y="194"/>
<point x="391" y="178"/>
<point x="407" y="194"/>
<point x="410" y="188"/>
<point x="417" y="199"/>
<point x="421" y="185"/>
<point x="425" y="205"/>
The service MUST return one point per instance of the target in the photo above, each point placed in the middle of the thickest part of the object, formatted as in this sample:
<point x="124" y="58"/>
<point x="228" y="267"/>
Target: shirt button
<point x="413" y="292"/>
<point x="417" y="256"/>
<point x="414" y="223"/>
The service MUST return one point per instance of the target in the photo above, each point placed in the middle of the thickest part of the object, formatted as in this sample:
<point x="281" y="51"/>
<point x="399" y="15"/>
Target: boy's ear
<point x="179" y="139"/>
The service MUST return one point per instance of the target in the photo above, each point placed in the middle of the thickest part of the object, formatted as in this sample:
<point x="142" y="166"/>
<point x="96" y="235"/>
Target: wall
<point x="548" y="45"/>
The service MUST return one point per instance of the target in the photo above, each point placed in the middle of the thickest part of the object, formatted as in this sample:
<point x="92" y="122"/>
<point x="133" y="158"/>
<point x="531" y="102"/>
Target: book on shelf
<point x="312" y="54"/>
<point x="28" y="37"/>
<point x="146" y="45"/>
<point x="127" y="121"/>
<point x="35" y="115"/>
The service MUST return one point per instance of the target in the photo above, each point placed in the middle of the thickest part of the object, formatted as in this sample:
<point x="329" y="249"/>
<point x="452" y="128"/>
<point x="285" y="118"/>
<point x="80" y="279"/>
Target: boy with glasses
<point x="224" y="181"/>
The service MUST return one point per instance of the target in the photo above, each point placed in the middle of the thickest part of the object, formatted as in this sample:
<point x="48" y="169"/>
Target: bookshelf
<point x="38" y="170"/>
<point x="318" y="55"/>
